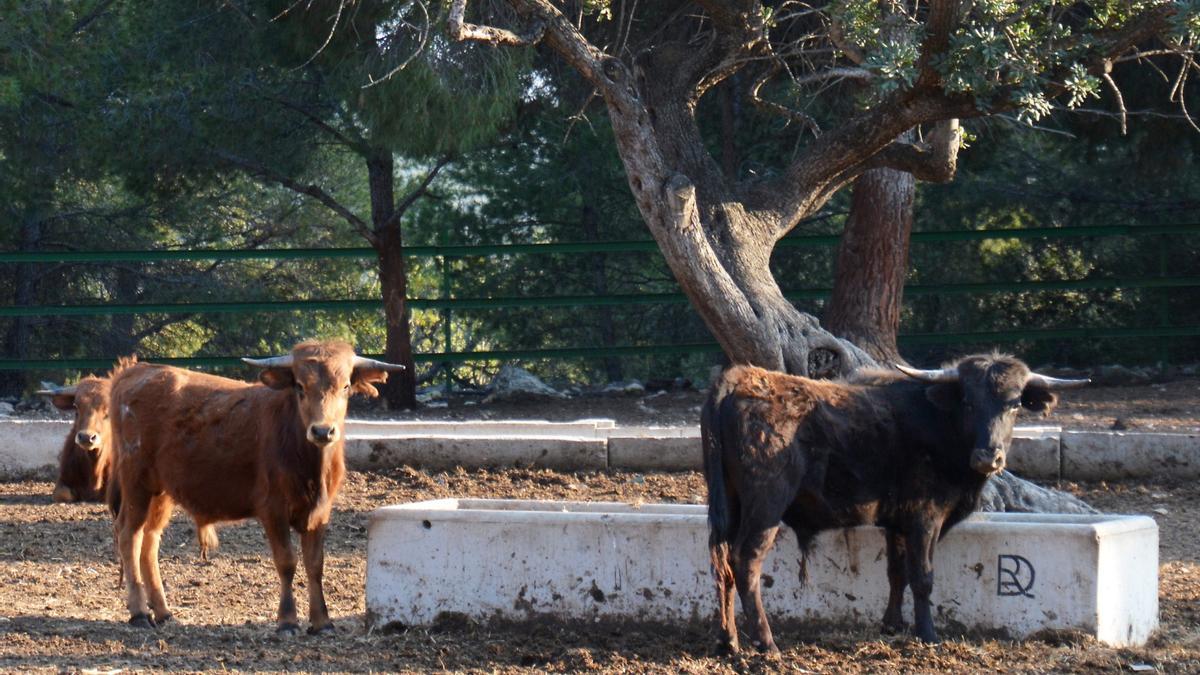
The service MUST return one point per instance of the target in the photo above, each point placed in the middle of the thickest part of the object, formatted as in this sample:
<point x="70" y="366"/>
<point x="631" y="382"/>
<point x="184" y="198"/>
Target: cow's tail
<point x="206" y="537"/>
<point x="720" y="508"/>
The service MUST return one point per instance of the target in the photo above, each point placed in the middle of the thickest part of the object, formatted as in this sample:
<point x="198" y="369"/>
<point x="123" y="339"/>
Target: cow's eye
<point x="300" y="390"/>
<point x="346" y="389"/>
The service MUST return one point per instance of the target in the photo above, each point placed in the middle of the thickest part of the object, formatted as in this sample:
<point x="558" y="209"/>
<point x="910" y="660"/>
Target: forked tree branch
<point x="310" y="190"/>
<point x="419" y="191"/>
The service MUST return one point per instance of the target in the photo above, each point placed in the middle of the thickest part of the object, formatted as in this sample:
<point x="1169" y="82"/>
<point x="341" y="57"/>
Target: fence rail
<point x="450" y="304"/>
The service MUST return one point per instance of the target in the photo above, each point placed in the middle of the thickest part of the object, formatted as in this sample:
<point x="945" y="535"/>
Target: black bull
<point x="909" y="454"/>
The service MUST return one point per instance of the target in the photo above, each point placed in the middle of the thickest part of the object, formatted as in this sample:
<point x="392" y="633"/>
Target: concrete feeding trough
<point x="1014" y="573"/>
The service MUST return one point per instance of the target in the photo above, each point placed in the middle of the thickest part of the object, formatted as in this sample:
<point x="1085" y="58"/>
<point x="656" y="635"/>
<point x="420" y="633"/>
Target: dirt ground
<point x="62" y="611"/>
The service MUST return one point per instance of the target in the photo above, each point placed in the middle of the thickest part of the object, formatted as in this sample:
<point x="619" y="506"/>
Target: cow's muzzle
<point x="87" y="440"/>
<point x="988" y="461"/>
<point x="322" y="434"/>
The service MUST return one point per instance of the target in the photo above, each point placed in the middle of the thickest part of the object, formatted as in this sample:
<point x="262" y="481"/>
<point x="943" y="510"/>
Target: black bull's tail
<point x="721" y="509"/>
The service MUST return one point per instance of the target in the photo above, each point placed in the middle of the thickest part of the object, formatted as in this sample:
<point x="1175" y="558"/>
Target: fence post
<point x="447" y="334"/>
<point x="1164" y="308"/>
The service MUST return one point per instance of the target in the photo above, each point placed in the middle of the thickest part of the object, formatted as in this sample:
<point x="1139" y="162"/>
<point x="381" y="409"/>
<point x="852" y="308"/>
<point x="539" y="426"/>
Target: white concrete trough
<point x="1014" y="573"/>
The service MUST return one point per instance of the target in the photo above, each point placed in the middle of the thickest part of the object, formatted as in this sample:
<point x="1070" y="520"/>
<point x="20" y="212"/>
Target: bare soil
<point x="61" y="608"/>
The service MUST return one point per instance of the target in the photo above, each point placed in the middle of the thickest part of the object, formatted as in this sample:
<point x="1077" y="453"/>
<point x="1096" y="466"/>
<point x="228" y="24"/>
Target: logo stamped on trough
<point x="1014" y="576"/>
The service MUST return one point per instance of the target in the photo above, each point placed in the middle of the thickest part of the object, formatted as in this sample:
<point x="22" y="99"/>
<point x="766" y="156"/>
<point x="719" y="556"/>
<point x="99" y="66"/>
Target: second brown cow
<point x="228" y="450"/>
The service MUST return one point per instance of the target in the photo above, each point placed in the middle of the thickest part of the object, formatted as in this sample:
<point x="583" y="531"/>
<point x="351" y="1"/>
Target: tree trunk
<point x="20" y="332"/>
<point x="872" y="261"/>
<point x="719" y="250"/>
<point x="400" y="391"/>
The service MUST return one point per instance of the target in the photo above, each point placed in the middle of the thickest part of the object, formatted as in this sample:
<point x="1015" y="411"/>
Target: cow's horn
<point x="1047" y="382"/>
<point x="939" y="375"/>
<point x="364" y="362"/>
<point x="273" y="362"/>
<point x="56" y="391"/>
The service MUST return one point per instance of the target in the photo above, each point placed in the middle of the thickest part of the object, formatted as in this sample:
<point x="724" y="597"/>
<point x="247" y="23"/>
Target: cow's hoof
<point x="327" y="629"/>
<point x="166" y="617"/>
<point x="141" y="621"/>
<point x="893" y="627"/>
<point x="287" y="630"/>
<point x="929" y="638"/>
<point x="769" y="650"/>
<point x="726" y="648"/>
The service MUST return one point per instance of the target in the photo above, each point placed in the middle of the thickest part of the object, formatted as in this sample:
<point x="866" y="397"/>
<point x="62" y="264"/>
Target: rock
<point x="1118" y="375"/>
<point x="516" y="384"/>
<point x="1119" y="425"/>
<point x="1062" y="371"/>
<point x="1008" y="493"/>
<point x="630" y="387"/>
<point x="6" y="408"/>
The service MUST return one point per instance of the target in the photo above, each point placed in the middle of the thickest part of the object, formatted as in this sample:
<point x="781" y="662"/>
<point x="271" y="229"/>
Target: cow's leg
<point x="893" y="619"/>
<point x="280" y="539"/>
<point x="312" y="545"/>
<point x="156" y="520"/>
<point x="919" y="543"/>
<point x="131" y="522"/>
<point x="750" y="549"/>
<point x="726" y="588"/>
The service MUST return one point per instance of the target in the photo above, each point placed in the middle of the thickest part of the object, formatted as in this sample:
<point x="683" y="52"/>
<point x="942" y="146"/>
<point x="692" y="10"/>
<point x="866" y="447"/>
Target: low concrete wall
<point x="655" y="449"/>
<point x="29" y="445"/>
<point x="1109" y="455"/>
<point x="594" y="428"/>
<point x="1018" y="573"/>
<point x="1043" y="452"/>
<point x="442" y="452"/>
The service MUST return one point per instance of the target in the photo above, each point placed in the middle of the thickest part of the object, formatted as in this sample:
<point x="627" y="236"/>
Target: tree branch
<point x="805" y="121"/>
<point x="309" y="190"/>
<point x="461" y="30"/>
<point x="934" y="160"/>
<point x="420" y="191"/>
<point x="940" y="22"/>
<point x="358" y="145"/>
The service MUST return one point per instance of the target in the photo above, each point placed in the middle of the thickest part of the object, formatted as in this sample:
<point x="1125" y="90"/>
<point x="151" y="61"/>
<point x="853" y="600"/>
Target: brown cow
<point x="909" y="454"/>
<point x="85" y="461"/>
<point x="228" y="450"/>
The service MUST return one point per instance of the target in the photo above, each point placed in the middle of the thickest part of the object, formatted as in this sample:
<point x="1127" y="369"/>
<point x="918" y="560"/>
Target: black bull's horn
<point x="287" y="360"/>
<point x="54" y="390"/>
<point x="951" y="375"/>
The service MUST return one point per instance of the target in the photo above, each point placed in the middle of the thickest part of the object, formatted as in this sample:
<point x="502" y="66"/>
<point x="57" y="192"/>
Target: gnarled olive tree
<point x="925" y="65"/>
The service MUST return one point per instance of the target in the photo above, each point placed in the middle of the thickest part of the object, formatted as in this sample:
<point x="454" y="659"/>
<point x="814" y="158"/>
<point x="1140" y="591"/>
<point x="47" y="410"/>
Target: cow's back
<point x="193" y="435"/>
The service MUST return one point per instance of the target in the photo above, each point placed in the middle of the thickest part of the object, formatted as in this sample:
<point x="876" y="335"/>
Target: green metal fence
<point x="448" y="304"/>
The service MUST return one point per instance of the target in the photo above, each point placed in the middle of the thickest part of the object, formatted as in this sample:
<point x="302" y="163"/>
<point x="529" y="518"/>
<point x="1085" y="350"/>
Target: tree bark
<point x="400" y="391"/>
<point x="872" y="262"/>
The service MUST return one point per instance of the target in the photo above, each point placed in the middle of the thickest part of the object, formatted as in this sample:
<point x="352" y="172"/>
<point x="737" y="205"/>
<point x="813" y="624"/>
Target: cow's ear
<point x="945" y="396"/>
<point x="63" y="401"/>
<point x="1039" y="399"/>
<point x="363" y="379"/>
<point x="277" y="378"/>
